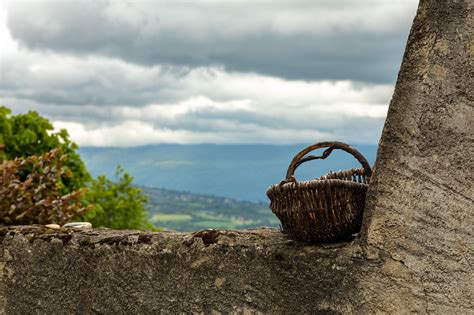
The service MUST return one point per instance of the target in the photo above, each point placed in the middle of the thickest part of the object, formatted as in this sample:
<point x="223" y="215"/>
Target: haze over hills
<point x="183" y="211"/>
<point x="242" y="172"/>
<point x="193" y="187"/>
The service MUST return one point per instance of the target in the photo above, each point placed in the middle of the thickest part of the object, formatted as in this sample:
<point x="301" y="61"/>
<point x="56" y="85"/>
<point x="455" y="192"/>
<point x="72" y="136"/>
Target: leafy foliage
<point x="118" y="204"/>
<point x="50" y="188"/>
<point x="31" y="134"/>
<point x="30" y="190"/>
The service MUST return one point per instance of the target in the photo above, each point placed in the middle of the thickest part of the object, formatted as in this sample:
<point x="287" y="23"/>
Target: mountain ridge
<point x="238" y="171"/>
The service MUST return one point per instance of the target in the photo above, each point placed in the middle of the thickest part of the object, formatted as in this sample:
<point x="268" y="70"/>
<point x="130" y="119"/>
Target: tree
<point x="114" y="205"/>
<point x="31" y="134"/>
<point x="118" y="204"/>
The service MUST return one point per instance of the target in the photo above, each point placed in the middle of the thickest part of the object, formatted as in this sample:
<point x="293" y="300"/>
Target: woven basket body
<point x="325" y="209"/>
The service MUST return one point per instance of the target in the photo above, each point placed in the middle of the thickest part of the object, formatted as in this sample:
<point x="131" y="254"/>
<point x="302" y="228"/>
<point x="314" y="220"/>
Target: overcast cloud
<point x="118" y="73"/>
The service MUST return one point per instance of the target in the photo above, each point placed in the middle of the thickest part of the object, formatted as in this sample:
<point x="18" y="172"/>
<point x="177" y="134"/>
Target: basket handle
<point x="331" y="145"/>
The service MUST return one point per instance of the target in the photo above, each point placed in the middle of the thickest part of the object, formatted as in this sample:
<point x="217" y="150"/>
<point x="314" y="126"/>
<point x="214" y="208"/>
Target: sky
<point x="129" y="73"/>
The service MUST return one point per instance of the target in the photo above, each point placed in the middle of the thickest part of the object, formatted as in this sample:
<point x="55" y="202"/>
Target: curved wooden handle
<point x="331" y="145"/>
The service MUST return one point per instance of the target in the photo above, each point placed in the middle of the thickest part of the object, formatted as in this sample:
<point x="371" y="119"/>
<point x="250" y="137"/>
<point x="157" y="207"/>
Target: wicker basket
<point x="325" y="209"/>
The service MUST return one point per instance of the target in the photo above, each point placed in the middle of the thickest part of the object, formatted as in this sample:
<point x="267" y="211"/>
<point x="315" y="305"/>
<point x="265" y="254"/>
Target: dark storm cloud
<point x="130" y="73"/>
<point x="308" y="40"/>
<point x="62" y="79"/>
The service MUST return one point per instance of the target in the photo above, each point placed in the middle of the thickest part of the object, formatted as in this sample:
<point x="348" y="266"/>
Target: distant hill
<point x="241" y="172"/>
<point x="182" y="211"/>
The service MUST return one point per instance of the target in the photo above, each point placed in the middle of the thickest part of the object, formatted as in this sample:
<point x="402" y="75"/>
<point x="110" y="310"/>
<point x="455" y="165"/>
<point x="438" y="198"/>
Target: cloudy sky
<point x="123" y="73"/>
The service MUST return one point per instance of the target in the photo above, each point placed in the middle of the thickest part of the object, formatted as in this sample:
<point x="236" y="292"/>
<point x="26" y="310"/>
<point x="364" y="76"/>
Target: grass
<point x="175" y="217"/>
<point x="214" y="224"/>
<point x="182" y="211"/>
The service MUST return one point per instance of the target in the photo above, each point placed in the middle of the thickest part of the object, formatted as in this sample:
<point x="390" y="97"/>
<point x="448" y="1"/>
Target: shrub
<point x="30" y="190"/>
<point x="117" y="204"/>
<point x="55" y="193"/>
<point x="30" y="134"/>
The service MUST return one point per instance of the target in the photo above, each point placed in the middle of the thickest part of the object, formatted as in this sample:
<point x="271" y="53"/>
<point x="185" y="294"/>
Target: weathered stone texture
<point x="420" y="201"/>
<point x="129" y="272"/>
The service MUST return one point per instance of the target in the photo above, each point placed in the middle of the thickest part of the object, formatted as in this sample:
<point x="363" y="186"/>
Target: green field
<point x="178" y="217"/>
<point x="181" y="211"/>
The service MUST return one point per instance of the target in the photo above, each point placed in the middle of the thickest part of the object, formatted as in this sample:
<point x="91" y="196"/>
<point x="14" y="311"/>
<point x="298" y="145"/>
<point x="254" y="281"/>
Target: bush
<point x="30" y="134"/>
<point x="117" y="204"/>
<point x="30" y="190"/>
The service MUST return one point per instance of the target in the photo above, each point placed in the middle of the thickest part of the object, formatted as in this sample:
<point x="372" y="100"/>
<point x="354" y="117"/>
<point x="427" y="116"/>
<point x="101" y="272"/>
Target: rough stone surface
<point x="420" y="202"/>
<point x="415" y="253"/>
<point x="129" y="272"/>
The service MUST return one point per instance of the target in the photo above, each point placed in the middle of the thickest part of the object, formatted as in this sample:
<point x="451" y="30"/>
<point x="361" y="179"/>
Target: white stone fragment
<point x="53" y="226"/>
<point x="78" y="225"/>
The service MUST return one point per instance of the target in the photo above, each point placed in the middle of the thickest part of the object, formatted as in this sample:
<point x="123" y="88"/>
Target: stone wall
<point x="127" y="272"/>
<point x="249" y="271"/>
<point x="415" y="252"/>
